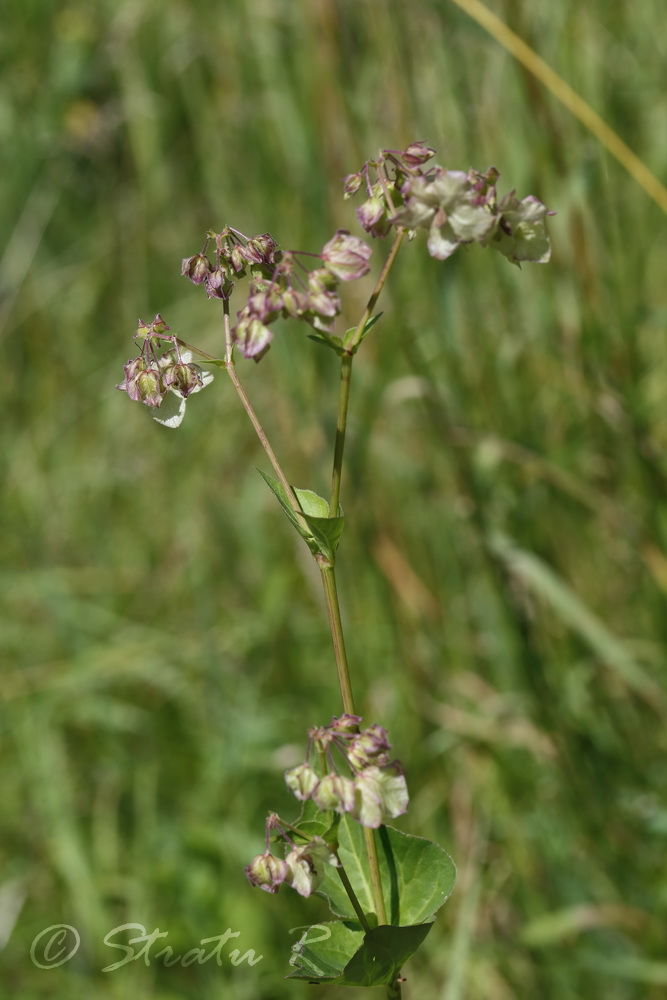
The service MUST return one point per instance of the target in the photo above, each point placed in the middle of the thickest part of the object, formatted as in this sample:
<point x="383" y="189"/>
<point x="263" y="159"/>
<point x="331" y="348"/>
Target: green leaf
<point x="417" y="875"/>
<point x="335" y="343"/>
<point x="206" y="360"/>
<point x="325" y="531"/>
<point x="340" y="953"/>
<point x="367" y="328"/>
<point x="322" y="953"/>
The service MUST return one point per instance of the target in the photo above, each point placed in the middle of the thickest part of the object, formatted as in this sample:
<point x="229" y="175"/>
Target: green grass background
<point x="504" y="568"/>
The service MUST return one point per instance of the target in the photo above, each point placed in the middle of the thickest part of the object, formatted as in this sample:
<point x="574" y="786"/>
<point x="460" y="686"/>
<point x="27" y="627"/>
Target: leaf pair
<point x="416" y="876"/>
<point x="341" y="345"/>
<point x="323" y="533"/>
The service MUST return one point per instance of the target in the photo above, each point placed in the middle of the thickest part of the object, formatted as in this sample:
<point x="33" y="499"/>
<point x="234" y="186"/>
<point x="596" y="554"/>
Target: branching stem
<point x="230" y="368"/>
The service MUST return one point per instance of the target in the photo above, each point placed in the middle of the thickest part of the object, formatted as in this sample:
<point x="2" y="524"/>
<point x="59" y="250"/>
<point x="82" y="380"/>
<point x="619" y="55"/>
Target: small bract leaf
<point x="279" y="490"/>
<point x="325" y="531"/>
<point x="335" y="343"/>
<point x="367" y="328"/>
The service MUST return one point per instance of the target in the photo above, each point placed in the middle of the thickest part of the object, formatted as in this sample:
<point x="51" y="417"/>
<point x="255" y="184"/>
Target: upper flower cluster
<point x="152" y="375"/>
<point x="453" y="206"/>
<point x="280" y="284"/>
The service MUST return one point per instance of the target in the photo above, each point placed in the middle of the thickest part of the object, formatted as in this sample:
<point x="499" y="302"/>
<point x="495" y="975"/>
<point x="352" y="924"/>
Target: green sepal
<point x="364" y="333"/>
<point x="341" y="954"/>
<point x="324" y="534"/>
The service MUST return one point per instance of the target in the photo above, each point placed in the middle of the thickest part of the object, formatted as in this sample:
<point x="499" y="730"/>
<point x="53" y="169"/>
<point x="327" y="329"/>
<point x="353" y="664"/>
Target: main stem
<point x="336" y="628"/>
<point x="325" y="566"/>
<point x="327" y="570"/>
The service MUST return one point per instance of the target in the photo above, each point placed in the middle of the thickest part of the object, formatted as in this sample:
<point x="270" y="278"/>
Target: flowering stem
<point x="356" y="337"/>
<point x="336" y="626"/>
<point x="343" y="401"/>
<point x="230" y="368"/>
<point x="328" y="577"/>
<point x="351" y="346"/>
<point x="337" y="638"/>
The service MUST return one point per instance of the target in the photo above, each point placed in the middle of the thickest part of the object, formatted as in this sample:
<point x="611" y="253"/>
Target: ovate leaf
<point x="340" y="953"/>
<point x="417" y="875"/>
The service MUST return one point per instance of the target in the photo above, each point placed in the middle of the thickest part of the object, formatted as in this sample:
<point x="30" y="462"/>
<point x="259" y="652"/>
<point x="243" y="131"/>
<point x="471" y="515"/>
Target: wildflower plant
<point x="383" y="886"/>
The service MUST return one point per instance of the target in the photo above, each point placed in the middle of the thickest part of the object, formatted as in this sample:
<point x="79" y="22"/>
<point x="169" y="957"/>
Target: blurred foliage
<point x="504" y="568"/>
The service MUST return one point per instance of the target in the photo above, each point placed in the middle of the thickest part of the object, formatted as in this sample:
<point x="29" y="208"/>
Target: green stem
<point x="342" y="874"/>
<point x="328" y="577"/>
<point x="343" y="401"/>
<point x="374" y="872"/>
<point x="351" y="346"/>
<point x="230" y="368"/>
<point x="337" y="638"/>
<point x="336" y="626"/>
<point x="394" y="991"/>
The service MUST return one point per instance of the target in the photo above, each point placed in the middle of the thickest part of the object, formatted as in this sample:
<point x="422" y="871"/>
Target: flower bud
<point x="131" y="369"/>
<point x="345" y="723"/>
<point x="265" y="303"/>
<point x="301" y="781"/>
<point x="183" y="378"/>
<point x="322" y="296"/>
<point x="238" y="258"/>
<point x="267" y="872"/>
<point x="261" y="249"/>
<point x="146" y="386"/>
<point x="335" y="792"/>
<point x="251" y="336"/>
<point x="306" y="865"/>
<point x="217" y="284"/>
<point x="372" y="215"/>
<point x="295" y="303"/>
<point x="196" y="268"/>
<point x="158" y="325"/>
<point x="150" y="387"/>
<point x="346" y="256"/>
<point x="370" y="747"/>
<point x="351" y="185"/>
<point x="157" y="328"/>
<point x="417" y="154"/>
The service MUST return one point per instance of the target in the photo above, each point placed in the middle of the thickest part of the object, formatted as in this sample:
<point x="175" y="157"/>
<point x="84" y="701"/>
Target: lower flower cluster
<point x="374" y="791"/>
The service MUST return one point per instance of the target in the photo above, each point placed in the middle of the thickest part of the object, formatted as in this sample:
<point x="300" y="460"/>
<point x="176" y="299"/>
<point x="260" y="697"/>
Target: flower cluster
<point x="280" y="284"/>
<point x="152" y="375"/>
<point x="375" y="792"/>
<point x="453" y="206"/>
<point x="302" y="869"/>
